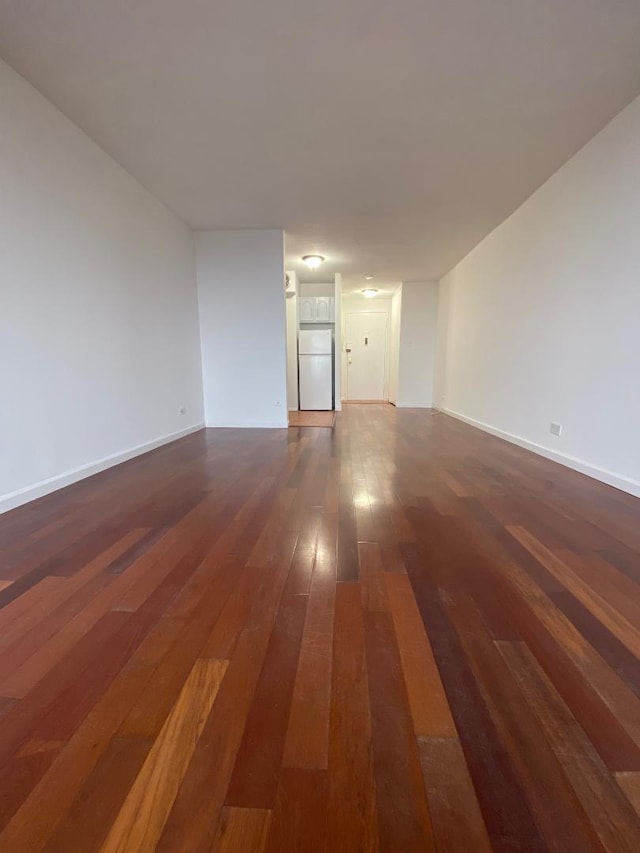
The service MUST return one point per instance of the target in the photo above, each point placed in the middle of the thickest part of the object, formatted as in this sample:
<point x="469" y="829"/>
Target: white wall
<point x="442" y="343"/>
<point x="337" y="343"/>
<point x="317" y="288"/>
<point x="545" y="315"/>
<point x="292" y="340"/>
<point x="417" y="344"/>
<point x="394" y="344"/>
<point x="242" y="327"/>
<point x="99" y="343"/>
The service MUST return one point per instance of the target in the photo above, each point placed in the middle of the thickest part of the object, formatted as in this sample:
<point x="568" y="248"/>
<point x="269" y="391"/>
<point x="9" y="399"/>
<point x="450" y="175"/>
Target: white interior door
<point x="366" y="348"/>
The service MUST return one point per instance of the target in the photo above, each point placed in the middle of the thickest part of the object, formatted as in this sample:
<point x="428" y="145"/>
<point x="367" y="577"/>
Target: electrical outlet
<point x="555" y="429"/>
<point x="278" y="404"/>
<point x="182" y="410"/>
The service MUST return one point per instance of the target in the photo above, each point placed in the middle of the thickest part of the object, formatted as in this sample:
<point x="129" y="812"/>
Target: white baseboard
<point x="410" y="405"/>
<point x="611" y="478"/>
<point x="45" y="487"/>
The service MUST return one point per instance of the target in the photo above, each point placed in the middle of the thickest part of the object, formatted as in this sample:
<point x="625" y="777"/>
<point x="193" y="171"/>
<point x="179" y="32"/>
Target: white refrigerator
<point x="315" y="369"/>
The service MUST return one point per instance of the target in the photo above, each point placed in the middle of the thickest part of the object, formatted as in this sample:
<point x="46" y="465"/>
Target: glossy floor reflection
<point x="401" y="634"/>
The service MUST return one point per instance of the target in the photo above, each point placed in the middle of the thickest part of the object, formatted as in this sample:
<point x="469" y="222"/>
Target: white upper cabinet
<point x="323" y="309"/>
<point x="317" y="309"/>
<point x="307" y="307"/>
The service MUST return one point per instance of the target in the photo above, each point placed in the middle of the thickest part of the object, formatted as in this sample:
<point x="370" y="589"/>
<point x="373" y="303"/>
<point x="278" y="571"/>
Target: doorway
<point x="365" y="354"/>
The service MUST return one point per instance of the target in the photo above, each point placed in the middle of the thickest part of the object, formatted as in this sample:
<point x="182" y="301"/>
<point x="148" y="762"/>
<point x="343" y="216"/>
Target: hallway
<point x="400" y="634"/>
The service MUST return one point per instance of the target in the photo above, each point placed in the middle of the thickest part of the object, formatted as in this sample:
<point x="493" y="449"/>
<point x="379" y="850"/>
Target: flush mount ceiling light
<point x="369" y="292"/>
<point x="368" y="278"/>
<point x="313" y="261"/>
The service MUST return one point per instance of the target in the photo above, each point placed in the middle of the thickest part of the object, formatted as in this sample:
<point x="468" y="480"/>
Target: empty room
<point x="319" y="426"/>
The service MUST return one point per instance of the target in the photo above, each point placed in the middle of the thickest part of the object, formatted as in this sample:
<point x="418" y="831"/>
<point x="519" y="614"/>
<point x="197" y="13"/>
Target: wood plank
<point x="351" y="817"/>
<point x="347" y="567"/>
<point x="142" y="817"/>
<point x="6" y="703"/>
<point x="630" y="784"/>
<point x="242" y="829"/>
<point x="300" y="814"/>
<point x="609" y="616"/>
<point x="430" y="710"/>
<point x="233" y="617"/>
<point x="255" y="777"/>
<point x="618" y="589"/>
<point x="617" y="656"/>
<point x="46" y="806"/>
<point x="25" y="613"/>
<point x="605" y="706"/>
<point x="148" y="713"/>
<point x="307" y="741"/>
<point x="455" y="813"/>
<point x="374" y="593"/>
<point x="500" y="792"/>
<point x="602" y="703"/>
<point x="23" y="719"/>
<point x="31" y="640"/>
<point x="558" y="811"/>
<point x="149" y="570"/>
<point x="121" y="563"/>
<point x="195" y="813"/>
<point x="305" y="554"/>
<point x="610" y="814"/>
<point x="403" y="814"/>
<point x="428" y="678"/>
<point x="98" y="802"/>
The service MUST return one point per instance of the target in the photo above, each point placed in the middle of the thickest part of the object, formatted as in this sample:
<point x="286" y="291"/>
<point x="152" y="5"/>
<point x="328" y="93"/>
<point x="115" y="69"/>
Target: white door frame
<point x="385" y="377"/>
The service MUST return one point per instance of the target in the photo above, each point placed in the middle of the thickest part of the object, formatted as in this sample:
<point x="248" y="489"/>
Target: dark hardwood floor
<point x="398" y="635"/>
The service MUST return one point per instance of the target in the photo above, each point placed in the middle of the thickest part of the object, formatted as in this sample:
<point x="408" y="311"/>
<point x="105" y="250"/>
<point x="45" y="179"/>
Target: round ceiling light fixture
<point x="312" y="261"/>
<point x="369" y="292"/>
<point x="368" y="278"/>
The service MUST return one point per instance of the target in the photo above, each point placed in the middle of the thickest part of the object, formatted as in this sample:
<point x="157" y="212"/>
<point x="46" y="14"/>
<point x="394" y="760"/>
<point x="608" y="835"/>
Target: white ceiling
<point x="388" y="135"/>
